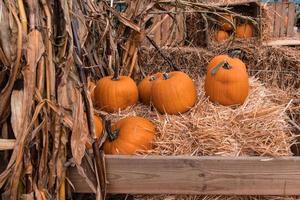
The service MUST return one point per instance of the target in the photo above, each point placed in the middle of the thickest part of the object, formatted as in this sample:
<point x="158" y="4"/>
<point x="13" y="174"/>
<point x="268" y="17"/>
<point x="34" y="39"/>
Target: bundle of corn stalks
<point x="48" y="51"/>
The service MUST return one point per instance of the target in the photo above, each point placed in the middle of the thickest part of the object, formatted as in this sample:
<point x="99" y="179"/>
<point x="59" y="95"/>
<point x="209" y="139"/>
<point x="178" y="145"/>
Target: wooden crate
<point x="191" y="29"/>
<point x="203" y="36"/>
<point x="283" y="18"/>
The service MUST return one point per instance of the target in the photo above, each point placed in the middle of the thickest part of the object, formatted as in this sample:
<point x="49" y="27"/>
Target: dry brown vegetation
<point x="48" y="51"/>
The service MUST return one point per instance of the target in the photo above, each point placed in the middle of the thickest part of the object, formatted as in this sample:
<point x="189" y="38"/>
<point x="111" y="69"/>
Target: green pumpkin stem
<point x="111" y="135"/>
<point x="223" y="64"/>
<point x="166" y="76"/>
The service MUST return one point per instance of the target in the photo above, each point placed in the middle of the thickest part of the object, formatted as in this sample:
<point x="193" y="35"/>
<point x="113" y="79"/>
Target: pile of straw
<point x="257" y="128"/>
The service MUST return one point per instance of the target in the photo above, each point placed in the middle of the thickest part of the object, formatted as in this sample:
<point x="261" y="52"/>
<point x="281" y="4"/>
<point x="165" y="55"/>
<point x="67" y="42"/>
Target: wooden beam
<point x="7" y="144"/>
<point x="198" y="175"/>
<point x="283" y="43"/>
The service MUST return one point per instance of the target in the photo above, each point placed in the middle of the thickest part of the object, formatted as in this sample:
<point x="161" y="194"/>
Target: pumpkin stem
<point x="166" y="76"/>
<point x="152" y="78"/>
<point x="111" y="135"/>
<point x="227" y="65"/>
<point x="223" y="64"/>
<point x="116" y="73"/>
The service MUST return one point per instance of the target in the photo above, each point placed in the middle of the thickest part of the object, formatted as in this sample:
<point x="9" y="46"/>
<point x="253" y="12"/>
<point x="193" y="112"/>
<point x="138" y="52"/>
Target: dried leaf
<point x="124" y="20"/>
<point x="79" y="132"/>
<point x="66" y="91"/>
<point x="6" y="92"/>
<point x="16" y="104"/>
<point x="34" y="51"/>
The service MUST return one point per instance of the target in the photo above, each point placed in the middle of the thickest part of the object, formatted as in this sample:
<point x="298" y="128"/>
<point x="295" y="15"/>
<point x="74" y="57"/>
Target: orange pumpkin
<point x="98" y="130"/>
<point x="114" y="93"/>
<point x="221" y="36"/>
<point x="145" y="86"/>
<point x="245" y="31"/>
<point x="174" y="93"/>
<point x="129" y="135"/>
<point x="225" y="25"/>
<point x="227" y="81"/>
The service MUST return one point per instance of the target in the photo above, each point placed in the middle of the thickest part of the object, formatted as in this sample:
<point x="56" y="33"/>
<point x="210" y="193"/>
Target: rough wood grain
<point x="272" y="8"/>
<point x="283" y="24"/>
<point x="157" y="32"/>
<point x="199" y="175"/>
<point x="284" y="42"/>
<point x="291" y="18"/>
<point x="7" y="144"/>
<point x="277" y="24"/>
<point x="180" y="29"/>
<point x="166" y="30"/>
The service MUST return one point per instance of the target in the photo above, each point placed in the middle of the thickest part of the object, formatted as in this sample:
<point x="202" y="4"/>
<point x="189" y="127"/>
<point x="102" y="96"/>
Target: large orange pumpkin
<point x="221" y="36"/>
<point x="114" y="93"/>
<point x="129" y="135"/>
<point x="244" y="31"/>
<point x="225" y="25"/>
<point x="227" y="81"/>
<point x="174" y="93"/>
<point x="145" y="86"/>
<point x="98" y="130"/>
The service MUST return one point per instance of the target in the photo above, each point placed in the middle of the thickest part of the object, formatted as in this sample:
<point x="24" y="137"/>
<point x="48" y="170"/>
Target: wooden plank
<point x="272" y="8"/>
<point x="157" y="31"/>
<point x="277" y="24"/>
<point x="291" y="18"/>
<point x="199" y="175"/>
<point x="166" y="30"/>
<point x="283" y="24"/>
<point x="180" y="29"/>
<point x="283" y="43"/>
<point x="7" y="144"/>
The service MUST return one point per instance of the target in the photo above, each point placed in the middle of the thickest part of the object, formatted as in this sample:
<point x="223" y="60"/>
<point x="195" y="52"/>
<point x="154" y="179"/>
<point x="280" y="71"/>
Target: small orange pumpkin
<point x="225" y="25"/>
<point x="129" y="135"/>
<point x="145" y="86"/>
<point x="245" y="31"/>
<point x="221" y="36"/>
<point x="174" y="93"/>
<point x="114" y="93"/>
<point x="98" y="130"/>
<point x="227" y="81"/>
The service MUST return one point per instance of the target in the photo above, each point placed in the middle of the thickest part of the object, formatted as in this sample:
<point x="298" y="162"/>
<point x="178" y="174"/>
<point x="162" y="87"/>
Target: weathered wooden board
<point x="285" y="42"/>
<point x="278" y="19"/>
<point x="199" y="175"/>
<point x="291" y="18"/>
<point x="283" y="18"/>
